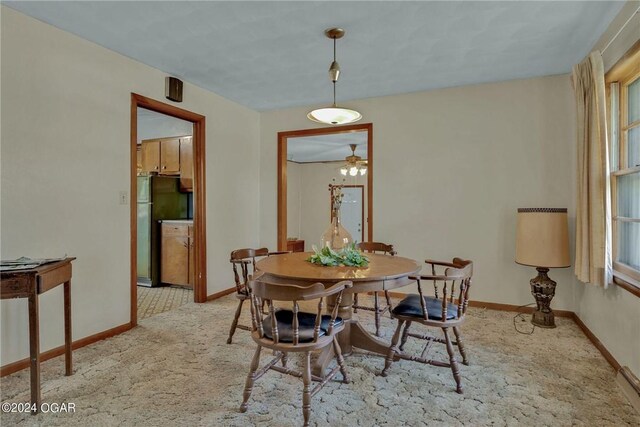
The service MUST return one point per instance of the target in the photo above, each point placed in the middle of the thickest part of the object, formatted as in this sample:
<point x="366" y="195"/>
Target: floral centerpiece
<point x="348" y="256"/>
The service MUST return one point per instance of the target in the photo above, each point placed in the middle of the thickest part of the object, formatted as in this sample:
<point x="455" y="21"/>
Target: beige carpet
<point x="175" y="369"/>
<point x="152" y="301"/>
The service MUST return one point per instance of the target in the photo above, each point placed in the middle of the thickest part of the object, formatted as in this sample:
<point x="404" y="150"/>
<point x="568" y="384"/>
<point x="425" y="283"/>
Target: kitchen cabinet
<point x="161" y="156"/>
<point x="192" y="258"/>
<point x="139" y="159"/>
<point x="170" y="156"/>
<point x="176" y="253"/>
<point x="150" y="153"/>
<point x="186" y="164"/>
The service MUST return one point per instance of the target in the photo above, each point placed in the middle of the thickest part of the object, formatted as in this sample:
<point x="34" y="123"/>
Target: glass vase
<point x="336" y="236"/>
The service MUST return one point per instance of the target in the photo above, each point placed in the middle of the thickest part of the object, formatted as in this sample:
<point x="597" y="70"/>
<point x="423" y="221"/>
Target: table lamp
<point x="542" y="241"/>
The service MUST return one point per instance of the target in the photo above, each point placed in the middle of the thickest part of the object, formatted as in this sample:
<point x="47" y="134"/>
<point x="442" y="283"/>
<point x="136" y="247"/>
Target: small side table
<point x="295" y="245"/>
<point x="29" y="284"/>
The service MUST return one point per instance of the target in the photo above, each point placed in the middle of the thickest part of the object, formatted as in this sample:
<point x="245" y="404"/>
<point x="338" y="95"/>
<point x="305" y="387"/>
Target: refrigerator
<point x="158" y="199"/>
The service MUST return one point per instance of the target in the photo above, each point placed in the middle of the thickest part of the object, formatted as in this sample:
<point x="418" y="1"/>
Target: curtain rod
<point x="620" y="30"/>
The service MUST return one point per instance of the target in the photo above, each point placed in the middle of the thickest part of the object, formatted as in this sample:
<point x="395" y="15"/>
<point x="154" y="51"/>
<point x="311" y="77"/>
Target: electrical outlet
<point x="124" y="197"/>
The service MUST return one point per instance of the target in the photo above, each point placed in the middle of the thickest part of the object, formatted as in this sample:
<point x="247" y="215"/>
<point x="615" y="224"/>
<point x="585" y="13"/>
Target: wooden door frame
<point x="282" y="173"/>
<point x="361" y="187"/>
<point x="199" y="213"/>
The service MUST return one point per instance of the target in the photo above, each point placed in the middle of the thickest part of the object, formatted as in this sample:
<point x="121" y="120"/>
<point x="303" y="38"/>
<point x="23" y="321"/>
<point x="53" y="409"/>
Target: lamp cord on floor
<point x="520" y="315"/>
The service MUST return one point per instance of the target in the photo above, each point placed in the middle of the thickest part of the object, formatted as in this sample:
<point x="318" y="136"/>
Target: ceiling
<point x="153" y="125"/>
<point x="272" y="55"/>
<point x="325" y="148"/>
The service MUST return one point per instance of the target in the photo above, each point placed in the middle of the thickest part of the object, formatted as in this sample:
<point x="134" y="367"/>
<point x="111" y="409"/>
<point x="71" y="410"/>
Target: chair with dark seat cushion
<point x="245" y="261"/>
<point x="285" y="331"/>
<point x="306" y="323"/>
<point x="410" y="306"/>
<point x="378" y="311"/>
<point x="444" y="312"/>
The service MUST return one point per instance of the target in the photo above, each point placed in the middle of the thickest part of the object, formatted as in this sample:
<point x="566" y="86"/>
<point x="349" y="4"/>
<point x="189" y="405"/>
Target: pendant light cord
<point x="334" y="94"/>
<point x="334" y="80"/>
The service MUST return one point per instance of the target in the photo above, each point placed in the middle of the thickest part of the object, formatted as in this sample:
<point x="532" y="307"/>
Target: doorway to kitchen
<point x="168" y="247"/>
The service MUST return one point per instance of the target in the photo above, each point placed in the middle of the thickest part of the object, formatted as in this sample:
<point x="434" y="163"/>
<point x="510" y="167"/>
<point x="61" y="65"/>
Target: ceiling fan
<point x="354" y="164"/>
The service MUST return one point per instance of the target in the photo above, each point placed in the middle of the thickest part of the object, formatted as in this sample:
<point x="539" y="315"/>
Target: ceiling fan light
<point x="353" y="171"/>
<point x="344" y="171"/>
<point x="363" y="171"/>
<point x="334" y="116"/>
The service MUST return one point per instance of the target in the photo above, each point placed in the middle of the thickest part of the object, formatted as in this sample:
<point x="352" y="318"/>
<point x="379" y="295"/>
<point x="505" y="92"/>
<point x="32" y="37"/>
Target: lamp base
<point x="543" y="290"/>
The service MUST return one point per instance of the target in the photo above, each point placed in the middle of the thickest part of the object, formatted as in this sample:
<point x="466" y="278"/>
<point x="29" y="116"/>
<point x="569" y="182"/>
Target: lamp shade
<point x="542" y="237"/>
<point x="334" y="115"/>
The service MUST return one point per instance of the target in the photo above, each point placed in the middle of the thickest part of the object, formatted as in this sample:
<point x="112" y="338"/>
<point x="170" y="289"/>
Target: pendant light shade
<point x="334" y="115"/>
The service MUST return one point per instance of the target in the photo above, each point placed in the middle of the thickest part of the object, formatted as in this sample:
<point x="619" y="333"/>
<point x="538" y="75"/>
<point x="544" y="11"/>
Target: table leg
<point x="68" y="362"/>
<point x="321" y="364"/>
<point x="34" y="351"/>
<point x="345" y="311"/>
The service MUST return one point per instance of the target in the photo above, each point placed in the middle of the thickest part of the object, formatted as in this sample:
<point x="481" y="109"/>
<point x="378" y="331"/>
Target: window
<point x="624" y="137"/>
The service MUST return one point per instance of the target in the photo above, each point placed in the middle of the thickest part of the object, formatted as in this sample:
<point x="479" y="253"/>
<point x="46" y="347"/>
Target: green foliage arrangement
<point x="349" y="256"/>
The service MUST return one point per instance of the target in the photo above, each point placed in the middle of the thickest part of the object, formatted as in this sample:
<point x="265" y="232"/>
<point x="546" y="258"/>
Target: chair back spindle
<point x="274" y="322"/>
<point x="296" y="324"/>
<point x="316" y="327"/>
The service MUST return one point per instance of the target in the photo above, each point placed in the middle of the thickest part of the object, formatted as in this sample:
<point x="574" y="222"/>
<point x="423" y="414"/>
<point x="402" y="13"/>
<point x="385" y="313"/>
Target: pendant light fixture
<point x="334" y="115"/>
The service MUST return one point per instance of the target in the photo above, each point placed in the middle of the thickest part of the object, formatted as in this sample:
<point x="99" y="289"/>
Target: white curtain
<point x="593" y="214"/>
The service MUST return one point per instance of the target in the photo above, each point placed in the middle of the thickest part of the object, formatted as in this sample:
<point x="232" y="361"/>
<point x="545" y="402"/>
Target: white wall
<point x="65" y="157"/>
<point x="451" y="167"/>
<point x="613" y="314"/>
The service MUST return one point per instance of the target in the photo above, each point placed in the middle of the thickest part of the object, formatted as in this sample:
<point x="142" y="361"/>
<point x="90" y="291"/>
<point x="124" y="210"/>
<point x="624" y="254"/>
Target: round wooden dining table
<point x="384" y="272"/>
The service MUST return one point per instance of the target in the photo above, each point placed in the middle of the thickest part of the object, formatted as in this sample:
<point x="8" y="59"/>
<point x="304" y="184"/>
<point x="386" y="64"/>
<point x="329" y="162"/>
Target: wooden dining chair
<point x="383" y="248"/>
<point x="445" y="311"/>
<point x="287" y="331"/>
<point x="244" y="260"/>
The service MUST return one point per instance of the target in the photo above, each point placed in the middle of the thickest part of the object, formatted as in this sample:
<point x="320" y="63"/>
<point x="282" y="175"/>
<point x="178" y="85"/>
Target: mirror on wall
<point x="312" y="161"/>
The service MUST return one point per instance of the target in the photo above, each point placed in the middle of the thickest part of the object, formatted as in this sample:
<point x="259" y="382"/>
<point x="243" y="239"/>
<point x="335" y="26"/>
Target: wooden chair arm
<point x="443" y="264"/>
<point x="333" y="289"/>
<point x="278" y="253"/>
<point x="435" y="277"/>
<point x="256" y="276"/>
<point x="345" y="284"/>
